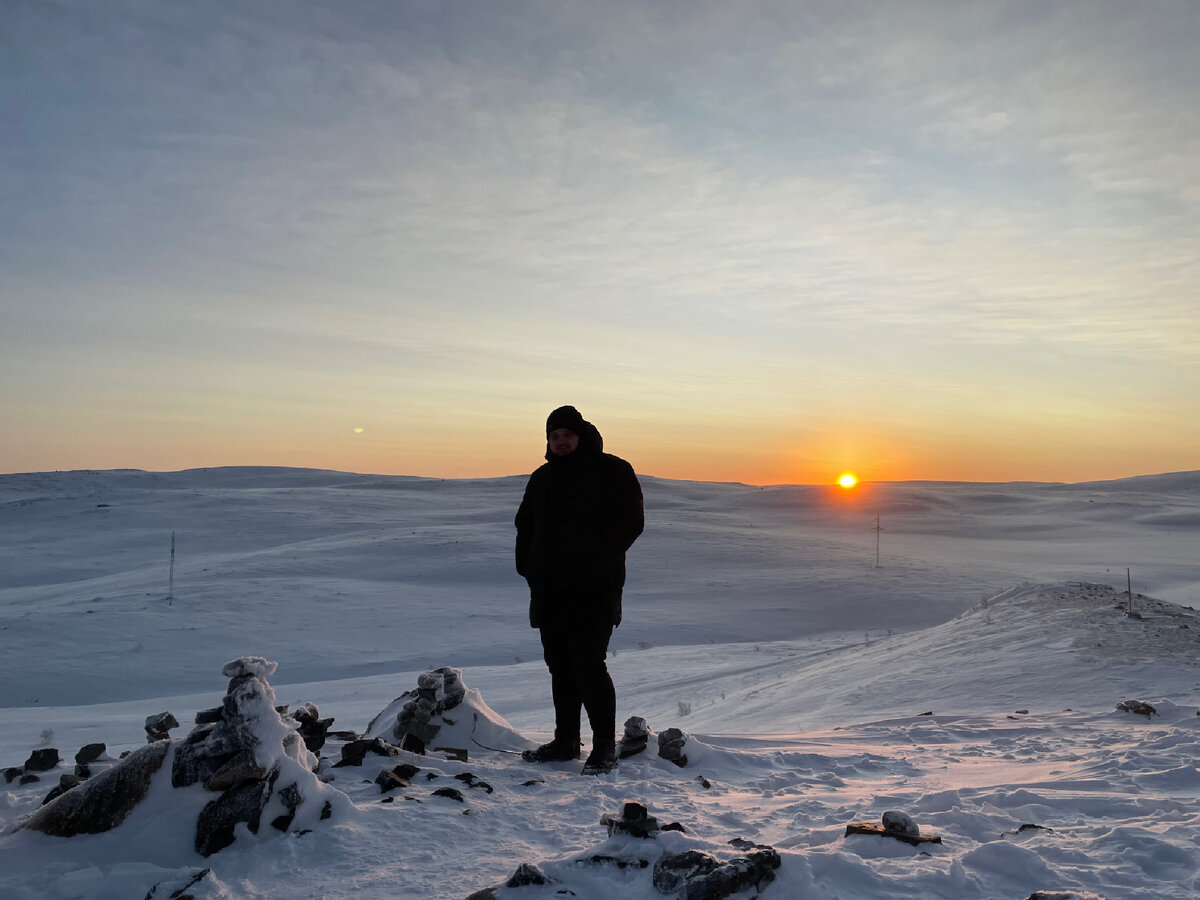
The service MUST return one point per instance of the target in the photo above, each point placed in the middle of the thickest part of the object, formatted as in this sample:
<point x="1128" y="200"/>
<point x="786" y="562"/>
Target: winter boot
<point x="603" y="757"/>
<point x="558" y="750"/>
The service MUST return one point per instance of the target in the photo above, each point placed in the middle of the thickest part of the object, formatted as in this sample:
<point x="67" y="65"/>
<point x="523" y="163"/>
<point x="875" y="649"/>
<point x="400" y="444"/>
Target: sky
<point x="757" y="242"/>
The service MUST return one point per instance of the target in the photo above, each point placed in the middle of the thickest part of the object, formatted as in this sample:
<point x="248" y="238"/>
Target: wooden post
<point x="171" y="578"/>
<point x="1129" y="590"/>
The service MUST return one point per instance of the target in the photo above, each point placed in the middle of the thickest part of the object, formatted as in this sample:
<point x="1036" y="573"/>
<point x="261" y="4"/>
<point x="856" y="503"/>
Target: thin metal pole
<point x="1129" y="589"/>
<point x="171" y="579"/>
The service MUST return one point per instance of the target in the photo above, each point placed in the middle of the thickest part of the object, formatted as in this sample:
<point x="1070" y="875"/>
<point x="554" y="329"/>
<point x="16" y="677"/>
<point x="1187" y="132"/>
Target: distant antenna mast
<point x="878" y="528"/>
<point x="171" y="578"/>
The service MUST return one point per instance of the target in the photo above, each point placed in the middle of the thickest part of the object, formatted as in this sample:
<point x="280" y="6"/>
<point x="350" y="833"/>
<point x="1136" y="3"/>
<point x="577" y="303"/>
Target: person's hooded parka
<point x="579" y="515"/>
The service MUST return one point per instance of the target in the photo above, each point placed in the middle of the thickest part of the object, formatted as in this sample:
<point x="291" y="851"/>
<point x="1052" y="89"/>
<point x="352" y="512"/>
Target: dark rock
<point x="354" y="752"/>
<point x="161" y="722"/>
<point x="674" y="826"/>
<point x="635" y="737"/>
<point x="694" y="875"/>
<point x="526" y="873"/>
<point x="193" y="763"/>
<point x="209" y="716"/>
<point x="291" y="798"/>
<point x="12" y="773"/>
<point x="1027" y="827"/>
<point x="389" y="781"/>
<point x="227" y="738"/>
<point x="102" y="802"/>
<point x="601" y="859"/>
<point x="451" y="793"/>
<point x="313" y="729"/>
<point x="413" y="744"/>
<point x="200" y="733"/>
<point x="485" y="894"/>
<point x="755" y="870"/>
<point x="673" y="872"/>
<point x="240" y="769"/>
<point x="216" y="823"/>
<point x="634" y="820"/>
<point x="89" y="753"/>
<point x="29" y="779"/>
<point x="42" y="760"/>
<point x="472" y="781"/>
<point x="670" y="746"/>
<point x="1138" y="707"/>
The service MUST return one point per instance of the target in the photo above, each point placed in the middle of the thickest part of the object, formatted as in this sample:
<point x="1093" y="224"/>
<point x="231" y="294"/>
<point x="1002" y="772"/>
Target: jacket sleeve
<point x="524" y="523"/>
<point x="629" y="513"/>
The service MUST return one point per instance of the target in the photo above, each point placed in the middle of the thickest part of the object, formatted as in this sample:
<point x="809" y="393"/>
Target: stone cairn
<point x="248" y="752"/>
<point x="262" y="764"/>
<point x="417" y="723"/>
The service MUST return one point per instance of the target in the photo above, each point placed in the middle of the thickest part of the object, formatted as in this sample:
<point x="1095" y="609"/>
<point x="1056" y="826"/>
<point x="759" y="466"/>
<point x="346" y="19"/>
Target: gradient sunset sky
<point x="759" y="242"/>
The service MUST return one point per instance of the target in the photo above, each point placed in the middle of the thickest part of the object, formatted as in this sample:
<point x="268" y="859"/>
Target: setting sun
<point x="847" y="480"/>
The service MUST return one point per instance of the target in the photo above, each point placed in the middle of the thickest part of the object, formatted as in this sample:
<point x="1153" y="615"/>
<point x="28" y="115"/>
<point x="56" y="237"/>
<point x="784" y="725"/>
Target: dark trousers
<point x="575" y="654"/>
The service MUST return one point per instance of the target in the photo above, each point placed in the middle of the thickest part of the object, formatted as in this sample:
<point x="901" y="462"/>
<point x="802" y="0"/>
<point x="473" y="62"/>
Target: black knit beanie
<point x="565" y="417"/>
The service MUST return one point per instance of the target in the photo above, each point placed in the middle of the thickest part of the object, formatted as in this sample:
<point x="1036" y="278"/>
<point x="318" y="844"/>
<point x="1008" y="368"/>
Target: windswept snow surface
<point x="756" y="620"/>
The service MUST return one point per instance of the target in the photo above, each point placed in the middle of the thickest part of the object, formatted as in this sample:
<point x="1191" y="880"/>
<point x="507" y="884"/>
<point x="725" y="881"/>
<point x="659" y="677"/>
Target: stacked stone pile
<point x="422" y="712"/>
<point x="245" y="750"/>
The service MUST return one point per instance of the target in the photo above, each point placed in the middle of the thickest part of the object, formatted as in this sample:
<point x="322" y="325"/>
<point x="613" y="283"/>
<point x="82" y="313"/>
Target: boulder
<point x="673" y="872"/>
<point x="670" y="746"/>
<point x="1138" y="707"/>
<point x="354" y="751"/>
<point x="633" y="820"/>
<point x="103" y="802"/>
<point x="313" y="729"/>
<point x="42" y="760"/>
<point x="894" y="820"/>
<point x="635" y="738"/>
<point x="89" y="753"/>
<point x="159" y="725"/>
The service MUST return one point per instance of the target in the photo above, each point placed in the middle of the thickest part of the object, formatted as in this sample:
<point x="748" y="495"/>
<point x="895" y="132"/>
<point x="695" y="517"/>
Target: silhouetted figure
<point x="581" y="511"/>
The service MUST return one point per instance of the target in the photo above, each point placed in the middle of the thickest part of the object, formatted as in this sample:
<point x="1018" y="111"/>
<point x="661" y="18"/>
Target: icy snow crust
<point x="759" y="611"/>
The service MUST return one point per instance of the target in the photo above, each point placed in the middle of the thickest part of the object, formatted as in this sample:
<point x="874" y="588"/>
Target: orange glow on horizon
<point x="847" y="480"/>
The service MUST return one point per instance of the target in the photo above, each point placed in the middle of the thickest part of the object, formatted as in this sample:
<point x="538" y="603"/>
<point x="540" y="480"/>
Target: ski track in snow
<point x="755" y="621"/>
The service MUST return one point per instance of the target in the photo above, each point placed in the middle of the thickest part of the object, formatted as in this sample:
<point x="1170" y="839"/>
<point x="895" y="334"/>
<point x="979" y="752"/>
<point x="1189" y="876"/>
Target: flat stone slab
<point x="873" y="828"/>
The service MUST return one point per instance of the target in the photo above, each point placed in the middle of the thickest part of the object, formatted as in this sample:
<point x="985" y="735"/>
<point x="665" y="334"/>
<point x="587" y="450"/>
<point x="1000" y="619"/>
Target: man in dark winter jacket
<point x="581" y="511"/>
